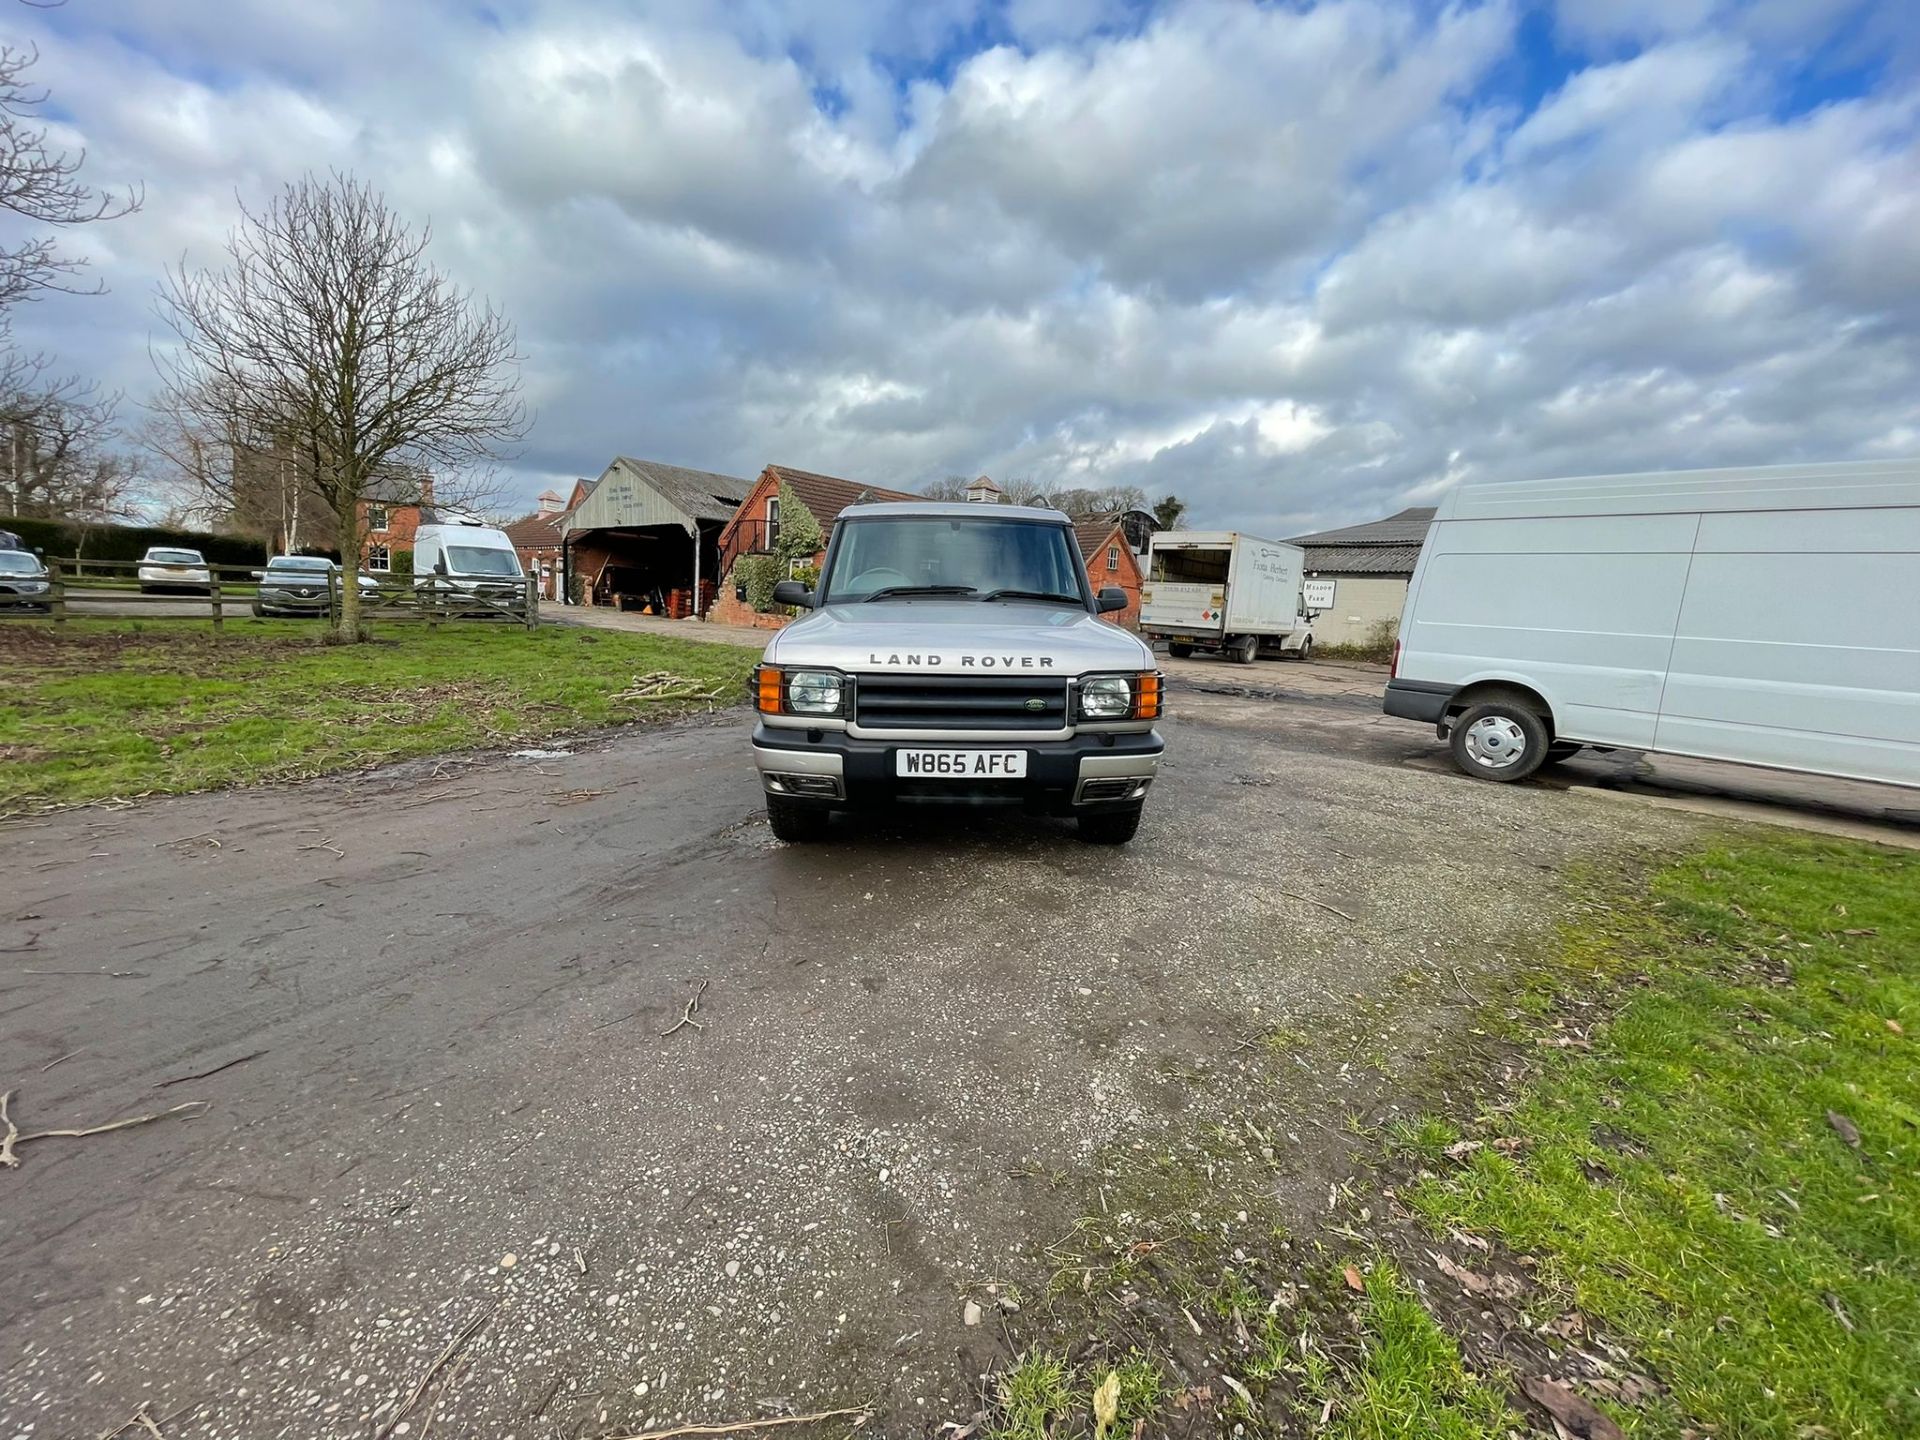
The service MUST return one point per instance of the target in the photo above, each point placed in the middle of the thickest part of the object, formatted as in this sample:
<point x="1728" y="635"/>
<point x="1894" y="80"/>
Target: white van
<point x="467" y="556"/>
<point x="1769" y="616"/>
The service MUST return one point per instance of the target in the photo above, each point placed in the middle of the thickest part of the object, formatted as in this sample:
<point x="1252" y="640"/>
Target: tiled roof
<point x="1093" y="535"/>
<point x="534" y="532"/>
<point x="827" y="495"/>
<point x="1362" y="559"/>
<point x="1408" y="527"/>
<point x="698" y="494"/>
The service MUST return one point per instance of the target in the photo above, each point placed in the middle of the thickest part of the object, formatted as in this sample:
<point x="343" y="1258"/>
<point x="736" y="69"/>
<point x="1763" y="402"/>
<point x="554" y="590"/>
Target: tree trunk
<point x="347" y="632"/>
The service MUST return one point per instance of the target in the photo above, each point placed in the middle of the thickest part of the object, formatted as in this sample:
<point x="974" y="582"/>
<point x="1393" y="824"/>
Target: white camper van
<point x="467" y="557"/>
<point x="1769" y="616"/>
<point x="1222" y="591"/>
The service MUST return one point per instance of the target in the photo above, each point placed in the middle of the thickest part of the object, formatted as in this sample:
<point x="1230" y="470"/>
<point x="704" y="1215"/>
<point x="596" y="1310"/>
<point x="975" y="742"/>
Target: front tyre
<point x="1500" y="741"/>
<point x="795" y="822"/>
<point x="1179" y="652"/>
<point x="1305" y="651"/>
<point x="1110" y="827"/>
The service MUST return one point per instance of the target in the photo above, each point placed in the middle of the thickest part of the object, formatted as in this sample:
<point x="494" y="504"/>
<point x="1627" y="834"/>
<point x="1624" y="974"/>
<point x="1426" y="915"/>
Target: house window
<point x="377" y="520"/>
<point x="378" y="558"/>
<point x="1113" y="557"/>
<point x="773" y="521"/>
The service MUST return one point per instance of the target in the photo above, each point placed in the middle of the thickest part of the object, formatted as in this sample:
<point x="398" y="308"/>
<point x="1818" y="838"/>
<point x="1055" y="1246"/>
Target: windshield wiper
<point x="1033" y="595"/>
<point x="887" y="592"/>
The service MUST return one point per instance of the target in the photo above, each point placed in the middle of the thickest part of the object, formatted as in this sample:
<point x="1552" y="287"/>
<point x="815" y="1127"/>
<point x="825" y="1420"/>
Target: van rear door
<point x="1799" y="643"/>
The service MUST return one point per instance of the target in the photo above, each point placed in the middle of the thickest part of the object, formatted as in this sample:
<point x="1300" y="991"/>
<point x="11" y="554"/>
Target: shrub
<point x="759" y="574"/>
<point x="61" y="540"/>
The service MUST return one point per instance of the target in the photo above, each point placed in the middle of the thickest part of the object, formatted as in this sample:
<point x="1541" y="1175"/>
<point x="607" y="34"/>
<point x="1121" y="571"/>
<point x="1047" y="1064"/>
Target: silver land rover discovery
<point x="954" y="654"/>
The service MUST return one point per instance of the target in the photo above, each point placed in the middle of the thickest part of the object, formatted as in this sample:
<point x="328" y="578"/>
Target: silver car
<point x="23" y="581"/>
<point x="955" y="653"/>
<point x="298" y="585"/>
<point x="164" y="568"/>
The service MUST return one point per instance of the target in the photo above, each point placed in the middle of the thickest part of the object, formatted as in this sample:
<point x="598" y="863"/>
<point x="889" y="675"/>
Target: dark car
<point x="297" y="585"/>
<point x="23" y="581"/>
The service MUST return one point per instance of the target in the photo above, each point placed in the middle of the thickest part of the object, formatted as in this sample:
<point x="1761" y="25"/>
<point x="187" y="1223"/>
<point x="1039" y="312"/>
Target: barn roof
<point x="634" y="493"/>
<point x="1379" y="547"/>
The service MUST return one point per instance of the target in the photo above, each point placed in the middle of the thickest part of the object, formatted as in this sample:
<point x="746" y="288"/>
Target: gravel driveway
<point x="444" y="996"/>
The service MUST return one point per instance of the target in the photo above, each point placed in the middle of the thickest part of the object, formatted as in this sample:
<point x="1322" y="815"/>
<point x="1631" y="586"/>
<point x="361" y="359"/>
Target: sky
<point x="1301" y="263"/>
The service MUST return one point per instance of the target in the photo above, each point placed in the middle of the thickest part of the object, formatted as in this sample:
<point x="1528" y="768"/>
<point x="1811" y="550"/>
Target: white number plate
<point x="960" y="764"/>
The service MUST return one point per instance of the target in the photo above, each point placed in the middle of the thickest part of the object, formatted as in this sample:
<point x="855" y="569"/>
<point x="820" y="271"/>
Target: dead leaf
<point x="1572" y="1410"/>
<point x="1352" y="1277"/>
<point x="1460" y="1149"/>
<point x="1839" y="1310"/>
<point x="1468" y="1281"/>
<point x="1246" y="1395"/>
<point x="1869" y="930"/>
<point x="1567" y="1326"/>
<point x="1472" y="1242"/>
<point x="1106" y="1404"/>
<point x="1894" y="1026"/>
<point x="1844" y="1128"/>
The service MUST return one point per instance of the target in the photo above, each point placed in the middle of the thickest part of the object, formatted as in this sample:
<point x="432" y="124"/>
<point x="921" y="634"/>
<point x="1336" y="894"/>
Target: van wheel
<point x="1179" y="652"/>
<point x="1306" y="649"/>
<point x="1561" y="750"/>
<point x="1499" y="741"/>
<point x="794" y="822"/>
<point x="1246" y="649"/>
<point x="1110" y="827"/>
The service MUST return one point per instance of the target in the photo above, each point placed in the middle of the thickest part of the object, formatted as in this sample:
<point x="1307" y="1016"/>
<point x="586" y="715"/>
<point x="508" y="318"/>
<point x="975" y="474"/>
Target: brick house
<point x="1110" y="561"/>
<point x="755" y="527"/>
<point x="389" y="516"/>
<point x="536" y="539"/>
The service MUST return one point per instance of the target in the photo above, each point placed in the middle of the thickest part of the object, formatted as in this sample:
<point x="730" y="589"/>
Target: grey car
<point x="23" y="581"/>
<point x="298" y="585"/>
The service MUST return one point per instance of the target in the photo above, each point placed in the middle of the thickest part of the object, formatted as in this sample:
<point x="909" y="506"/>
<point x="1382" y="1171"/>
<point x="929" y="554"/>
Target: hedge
<point x="60" y="540"/>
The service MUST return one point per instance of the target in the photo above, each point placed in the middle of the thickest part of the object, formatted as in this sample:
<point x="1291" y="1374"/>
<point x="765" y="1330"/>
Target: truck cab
<point x="954" y="653"/>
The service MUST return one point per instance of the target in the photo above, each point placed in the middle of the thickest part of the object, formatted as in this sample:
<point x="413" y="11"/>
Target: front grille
<point x="959" y="702"/>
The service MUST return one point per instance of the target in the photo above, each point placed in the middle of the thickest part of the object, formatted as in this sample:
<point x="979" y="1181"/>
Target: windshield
<point x="953" y="556"/>
<point x="175" y="557"/>
<point x="18" y="562"/>
<point x="311" y="563"/>
<point x="472" y="560"/>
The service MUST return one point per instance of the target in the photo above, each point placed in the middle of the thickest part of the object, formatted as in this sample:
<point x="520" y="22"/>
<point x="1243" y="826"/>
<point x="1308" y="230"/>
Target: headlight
<point x="1106" y="697"/>
<point x="814" y="692"/>
<point x="34" y="587"/>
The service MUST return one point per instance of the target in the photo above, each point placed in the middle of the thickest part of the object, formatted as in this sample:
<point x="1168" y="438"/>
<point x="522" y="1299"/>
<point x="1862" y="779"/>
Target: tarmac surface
<point x="559" y="1066"/>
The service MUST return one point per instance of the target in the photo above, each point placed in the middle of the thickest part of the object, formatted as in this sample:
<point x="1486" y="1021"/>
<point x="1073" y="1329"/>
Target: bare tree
<point x="210" y="474"/>
<point x="42" y="185"/>
<point x="51" y="440"/>
<point x="329" y="331"/>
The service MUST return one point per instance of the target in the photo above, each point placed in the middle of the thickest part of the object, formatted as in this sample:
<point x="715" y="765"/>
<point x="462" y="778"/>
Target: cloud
<point x="1298" y="263"/>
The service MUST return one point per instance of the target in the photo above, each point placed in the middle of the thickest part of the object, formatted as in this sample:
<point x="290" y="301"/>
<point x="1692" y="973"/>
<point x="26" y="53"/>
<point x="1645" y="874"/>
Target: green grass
<point x="1682" y="1181"/>
<point x="1035" y="1394"/>
<point x="103" y="708"/>
<point x="1408" y="1378"/>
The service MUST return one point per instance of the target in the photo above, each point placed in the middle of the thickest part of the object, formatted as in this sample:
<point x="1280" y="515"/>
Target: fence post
<point x="213" y="595"/>
<point x="533" y="604"/>
<point x="57" y="592"/>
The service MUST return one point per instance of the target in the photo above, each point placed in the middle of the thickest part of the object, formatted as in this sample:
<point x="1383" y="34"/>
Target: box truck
<point x="1222" y="591"/>
<point x="1769" y="616"/>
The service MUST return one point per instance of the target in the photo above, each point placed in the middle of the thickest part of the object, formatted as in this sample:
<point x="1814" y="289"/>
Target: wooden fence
<point x="114" y="588"/>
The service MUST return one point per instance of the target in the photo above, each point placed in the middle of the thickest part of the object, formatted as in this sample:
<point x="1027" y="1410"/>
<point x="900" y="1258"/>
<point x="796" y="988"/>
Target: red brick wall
<point x="1126" y="575"/>
<point x="402" y="522"/>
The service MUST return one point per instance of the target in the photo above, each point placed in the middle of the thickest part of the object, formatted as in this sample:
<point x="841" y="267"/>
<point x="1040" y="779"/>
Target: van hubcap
<point x="1496" y="742"/>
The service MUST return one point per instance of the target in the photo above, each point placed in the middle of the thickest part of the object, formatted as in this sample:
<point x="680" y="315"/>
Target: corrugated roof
<point x="699" y="494"/>
<point x="827" y="495"/>
<point x="1361" y="559"/>
<point x="1408" y="527"/>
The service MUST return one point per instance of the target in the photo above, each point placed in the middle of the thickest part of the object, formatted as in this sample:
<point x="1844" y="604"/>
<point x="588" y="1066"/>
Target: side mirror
<point x="792" y="592"/>
<point x="1111" y="598"/>
<point x="440" y="566"/>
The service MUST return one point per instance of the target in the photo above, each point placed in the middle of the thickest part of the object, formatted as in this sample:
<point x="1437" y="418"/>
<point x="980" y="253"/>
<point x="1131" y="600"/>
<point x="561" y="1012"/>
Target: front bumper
<point x="1064" y="777"/>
